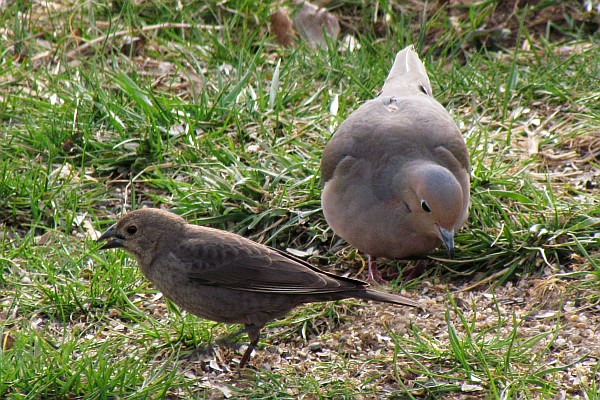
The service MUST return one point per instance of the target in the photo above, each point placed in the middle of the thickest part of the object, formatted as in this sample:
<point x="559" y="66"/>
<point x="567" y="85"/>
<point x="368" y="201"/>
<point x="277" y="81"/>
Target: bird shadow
<point x="215" y="355"/>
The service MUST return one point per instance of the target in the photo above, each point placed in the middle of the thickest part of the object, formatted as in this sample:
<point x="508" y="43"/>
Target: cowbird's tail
<point x="375" y="295"/>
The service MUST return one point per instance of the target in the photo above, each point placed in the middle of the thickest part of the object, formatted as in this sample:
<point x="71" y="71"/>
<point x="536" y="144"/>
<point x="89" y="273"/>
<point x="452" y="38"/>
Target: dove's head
<point x="435" y="200"/>
<point x="143" y="232"/>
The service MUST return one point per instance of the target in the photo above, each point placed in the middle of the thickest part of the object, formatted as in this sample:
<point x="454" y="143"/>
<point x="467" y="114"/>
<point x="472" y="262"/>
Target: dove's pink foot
<point x="374" y="275"/>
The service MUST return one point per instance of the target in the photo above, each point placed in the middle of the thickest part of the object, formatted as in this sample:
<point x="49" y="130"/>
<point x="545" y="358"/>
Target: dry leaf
<point x="43" y="239"/>
<point x="282" y="28"/>
<point x="133" y="46"/>
<point x="533" y="142"/>
<point x="301" y="253"/>
<point x="313" y="22"/>
<point x="8" y="341"/>
<point x="90" y="231"/>
<point x="61" y="171"/>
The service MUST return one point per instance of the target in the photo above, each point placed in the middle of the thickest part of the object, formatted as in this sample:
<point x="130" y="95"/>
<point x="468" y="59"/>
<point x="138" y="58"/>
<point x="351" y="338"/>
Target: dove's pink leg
<point x="374" y="274"/>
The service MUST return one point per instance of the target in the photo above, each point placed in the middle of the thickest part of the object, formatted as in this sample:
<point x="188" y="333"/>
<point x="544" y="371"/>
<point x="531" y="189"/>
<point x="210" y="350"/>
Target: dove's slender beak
<point x="115" y="243"/>
<point x="448" y="240"/>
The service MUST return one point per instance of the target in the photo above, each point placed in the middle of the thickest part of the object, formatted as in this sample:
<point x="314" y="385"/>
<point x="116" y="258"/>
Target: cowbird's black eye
<point x="131" y="229"/>
<point x="425" y="206"/>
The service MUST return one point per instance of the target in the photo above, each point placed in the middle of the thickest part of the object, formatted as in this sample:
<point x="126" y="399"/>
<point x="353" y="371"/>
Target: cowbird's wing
<point x="235" y="263"/>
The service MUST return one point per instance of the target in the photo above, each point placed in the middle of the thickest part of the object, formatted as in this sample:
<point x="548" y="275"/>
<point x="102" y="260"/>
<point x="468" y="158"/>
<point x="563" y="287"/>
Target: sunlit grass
<point x="216" y="121"/>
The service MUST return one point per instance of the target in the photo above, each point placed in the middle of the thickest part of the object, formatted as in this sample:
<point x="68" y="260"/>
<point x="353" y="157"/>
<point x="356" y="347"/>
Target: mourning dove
<point x="395" y="174"/>
<point x="224" y="277"/>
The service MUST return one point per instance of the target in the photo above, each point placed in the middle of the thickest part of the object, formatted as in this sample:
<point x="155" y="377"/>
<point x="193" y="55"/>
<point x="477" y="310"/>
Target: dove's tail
<point x="408" y="75"/>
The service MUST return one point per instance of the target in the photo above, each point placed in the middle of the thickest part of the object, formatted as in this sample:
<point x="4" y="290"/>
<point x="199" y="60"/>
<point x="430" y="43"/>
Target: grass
<point x="210" y="117"/>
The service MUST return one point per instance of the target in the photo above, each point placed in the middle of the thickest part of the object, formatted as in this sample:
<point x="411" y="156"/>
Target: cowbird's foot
<point x="254" y="335"/>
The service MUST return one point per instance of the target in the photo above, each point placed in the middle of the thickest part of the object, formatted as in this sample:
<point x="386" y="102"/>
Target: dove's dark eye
<point x="425" y="206"/>
<point x="131" y="229"/>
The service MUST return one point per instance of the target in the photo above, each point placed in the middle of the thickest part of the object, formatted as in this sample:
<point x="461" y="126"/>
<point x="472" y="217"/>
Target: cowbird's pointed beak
<point x="448" y="240"/>
<point x="115" y="242"/>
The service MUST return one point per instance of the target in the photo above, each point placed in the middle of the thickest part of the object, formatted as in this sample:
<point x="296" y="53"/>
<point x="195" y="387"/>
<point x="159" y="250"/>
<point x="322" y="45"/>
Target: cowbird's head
<point x="141" y="232"/>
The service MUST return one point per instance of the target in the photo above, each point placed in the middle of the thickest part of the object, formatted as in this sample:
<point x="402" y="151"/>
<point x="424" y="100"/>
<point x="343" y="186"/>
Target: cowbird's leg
<point x="254" y="335"/>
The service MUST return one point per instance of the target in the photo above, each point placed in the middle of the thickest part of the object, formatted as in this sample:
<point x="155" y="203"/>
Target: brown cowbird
<point x="225" y="277"/>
